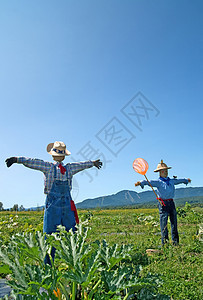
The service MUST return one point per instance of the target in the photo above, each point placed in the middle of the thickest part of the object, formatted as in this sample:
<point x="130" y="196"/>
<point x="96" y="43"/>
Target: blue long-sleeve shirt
<point x="164" y="190"/>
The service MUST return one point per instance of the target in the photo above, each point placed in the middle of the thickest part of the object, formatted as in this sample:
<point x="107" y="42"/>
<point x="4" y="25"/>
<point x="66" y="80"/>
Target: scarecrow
<point x="165" y="194"/>
<point x="59" y="206"/>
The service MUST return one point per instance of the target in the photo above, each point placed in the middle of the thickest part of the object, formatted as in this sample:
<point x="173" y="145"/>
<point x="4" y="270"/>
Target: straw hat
<point x="57" y="149"/>
<point x="161" y="166"/>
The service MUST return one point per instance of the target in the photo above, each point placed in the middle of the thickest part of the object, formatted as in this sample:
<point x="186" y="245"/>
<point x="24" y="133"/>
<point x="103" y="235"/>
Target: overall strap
<point x="67" y="171"/>
<point x="55" y="171"/>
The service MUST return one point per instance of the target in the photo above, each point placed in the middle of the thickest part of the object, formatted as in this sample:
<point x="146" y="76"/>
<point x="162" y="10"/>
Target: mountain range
<point x="128" y="198"/>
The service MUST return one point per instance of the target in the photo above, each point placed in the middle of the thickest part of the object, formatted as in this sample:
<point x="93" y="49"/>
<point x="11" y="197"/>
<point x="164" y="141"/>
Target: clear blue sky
<point x="68" y="69"/>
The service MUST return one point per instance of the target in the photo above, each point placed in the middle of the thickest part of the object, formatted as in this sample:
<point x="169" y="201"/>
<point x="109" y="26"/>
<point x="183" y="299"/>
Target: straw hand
<point x="97" y="163"/>
<point x="10" y="161"/>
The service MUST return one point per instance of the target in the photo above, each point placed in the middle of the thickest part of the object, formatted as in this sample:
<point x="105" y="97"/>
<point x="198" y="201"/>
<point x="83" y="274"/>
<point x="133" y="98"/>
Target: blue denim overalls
<point x="58" y="209"/>
<point x="166" y="211"/>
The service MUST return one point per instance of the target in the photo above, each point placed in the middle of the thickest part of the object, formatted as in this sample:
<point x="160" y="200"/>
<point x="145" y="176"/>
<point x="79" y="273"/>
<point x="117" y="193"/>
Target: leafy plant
<point x="179" y="267"/>
<point x="88" y="270"/>
<point x="25" y="258"/>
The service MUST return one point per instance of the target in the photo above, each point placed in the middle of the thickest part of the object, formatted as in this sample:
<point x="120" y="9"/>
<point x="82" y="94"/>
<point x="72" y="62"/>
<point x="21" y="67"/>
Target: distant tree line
<point x="16" y="207"/>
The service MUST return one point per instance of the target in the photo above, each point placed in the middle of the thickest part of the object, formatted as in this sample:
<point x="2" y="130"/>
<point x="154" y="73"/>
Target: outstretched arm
<point x="154" y="183"/>
<point x="31" y="163"/>
<point x="77" y="167"/>
<point x="182" y="180"/>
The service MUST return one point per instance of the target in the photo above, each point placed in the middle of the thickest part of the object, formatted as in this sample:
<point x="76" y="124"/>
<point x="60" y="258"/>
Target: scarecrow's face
<point x="164" y="173"/>
<point x="58" y="158"/>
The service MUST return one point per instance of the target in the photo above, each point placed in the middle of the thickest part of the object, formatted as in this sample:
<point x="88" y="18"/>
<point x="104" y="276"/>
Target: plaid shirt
<point x="48" y="169"/>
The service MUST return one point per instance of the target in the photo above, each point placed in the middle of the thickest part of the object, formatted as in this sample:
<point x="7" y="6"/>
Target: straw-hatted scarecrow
<point x="59" y="206"/>
<point x="165" y="194"/>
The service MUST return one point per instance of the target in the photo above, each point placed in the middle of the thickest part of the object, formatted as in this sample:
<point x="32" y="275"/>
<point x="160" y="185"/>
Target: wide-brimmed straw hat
<point x="161" y="166"/>
<point x="57" y="149"/>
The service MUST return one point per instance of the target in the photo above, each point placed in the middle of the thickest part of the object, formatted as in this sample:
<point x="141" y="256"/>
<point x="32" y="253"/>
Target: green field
<point x="173" y="271"/>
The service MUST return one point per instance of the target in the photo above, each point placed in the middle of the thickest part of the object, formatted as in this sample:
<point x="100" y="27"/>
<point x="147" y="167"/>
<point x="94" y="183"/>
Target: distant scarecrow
<point x="165" y="190"/>
<point x="59" y="206"/>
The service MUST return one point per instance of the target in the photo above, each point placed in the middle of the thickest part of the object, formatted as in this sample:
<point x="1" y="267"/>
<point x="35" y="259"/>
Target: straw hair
<point x="161" y="166"/>
<point x="57" y="149"/>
